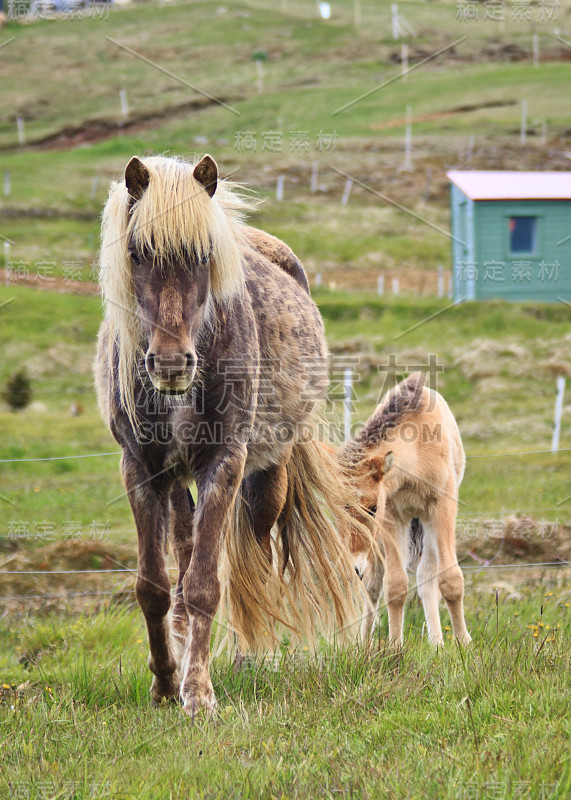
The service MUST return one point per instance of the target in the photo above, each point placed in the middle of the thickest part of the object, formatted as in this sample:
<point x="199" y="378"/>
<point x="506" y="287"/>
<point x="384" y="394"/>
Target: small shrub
<point x="18" y="390"/>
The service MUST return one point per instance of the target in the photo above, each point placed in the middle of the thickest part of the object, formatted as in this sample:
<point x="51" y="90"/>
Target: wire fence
<point x="118" y="453"/>
<point x="133" y="570"/>
<point x="117" y="592"/>
<point x="66" y="595"/>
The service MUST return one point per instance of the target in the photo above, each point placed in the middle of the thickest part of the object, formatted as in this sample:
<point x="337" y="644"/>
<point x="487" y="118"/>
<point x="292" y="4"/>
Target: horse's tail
<point x="415" y="543"/>
<point x="312" y="586"/>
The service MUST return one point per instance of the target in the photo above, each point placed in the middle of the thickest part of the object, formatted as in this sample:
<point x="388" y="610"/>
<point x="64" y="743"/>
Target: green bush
<point x="18" y="390"/>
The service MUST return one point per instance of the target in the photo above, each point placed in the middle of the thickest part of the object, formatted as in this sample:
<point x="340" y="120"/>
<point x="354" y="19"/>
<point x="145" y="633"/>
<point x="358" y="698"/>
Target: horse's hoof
<point x="199" y="702"/>
<point x="165" y="690"/>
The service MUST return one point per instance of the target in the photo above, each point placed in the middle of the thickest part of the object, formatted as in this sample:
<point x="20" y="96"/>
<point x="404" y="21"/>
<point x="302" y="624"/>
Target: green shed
<point x="511" y="235"/>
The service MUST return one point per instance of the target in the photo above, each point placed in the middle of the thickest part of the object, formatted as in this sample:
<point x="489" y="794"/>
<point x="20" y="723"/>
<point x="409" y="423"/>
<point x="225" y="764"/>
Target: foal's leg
<point x="395" y="544"/>
<point x="427" y="585"/>
<point x="180" y="525"/>
<point x="372" y="578"/>
<point x="149" y="501"/>
<point x="217" y="489"/>
<point x="450" y="577"/>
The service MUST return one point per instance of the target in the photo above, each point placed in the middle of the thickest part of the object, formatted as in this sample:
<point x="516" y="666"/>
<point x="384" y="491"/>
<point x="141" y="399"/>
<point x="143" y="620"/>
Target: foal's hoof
<point x="165" y="690"/>
<point x="199" y="701"/>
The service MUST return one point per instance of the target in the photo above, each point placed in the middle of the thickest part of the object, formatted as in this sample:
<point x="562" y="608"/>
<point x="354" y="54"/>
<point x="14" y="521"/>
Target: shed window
<point x="522" y="234"/>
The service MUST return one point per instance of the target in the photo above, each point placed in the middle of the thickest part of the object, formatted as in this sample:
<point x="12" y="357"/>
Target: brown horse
<point x="406" y="465"/>
<point x="211" y="365"/>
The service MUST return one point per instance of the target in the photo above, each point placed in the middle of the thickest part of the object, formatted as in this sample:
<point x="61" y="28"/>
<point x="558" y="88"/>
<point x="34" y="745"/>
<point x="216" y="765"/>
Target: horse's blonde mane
<point x="174" y="217"/>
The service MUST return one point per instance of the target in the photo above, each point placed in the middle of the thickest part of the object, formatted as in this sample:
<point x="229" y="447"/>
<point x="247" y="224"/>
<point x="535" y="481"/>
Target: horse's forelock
<point x="174" y="219"/>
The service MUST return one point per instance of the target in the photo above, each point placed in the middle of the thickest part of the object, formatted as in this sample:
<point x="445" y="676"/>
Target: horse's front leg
<point x="181" y="522"/>
<point x="149" y="501"/>
<point x="217" y="489"/>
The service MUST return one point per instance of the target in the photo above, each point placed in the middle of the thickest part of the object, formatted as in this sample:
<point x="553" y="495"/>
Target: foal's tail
<point x="313" y="587"/>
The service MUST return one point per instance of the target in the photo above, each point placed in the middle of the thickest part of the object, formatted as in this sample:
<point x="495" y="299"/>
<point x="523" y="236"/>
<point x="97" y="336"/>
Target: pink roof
<point x="504" y="185"/>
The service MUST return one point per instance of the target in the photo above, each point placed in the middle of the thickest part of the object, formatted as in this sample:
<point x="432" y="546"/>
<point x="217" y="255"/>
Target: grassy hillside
<point x="311" y="69"/>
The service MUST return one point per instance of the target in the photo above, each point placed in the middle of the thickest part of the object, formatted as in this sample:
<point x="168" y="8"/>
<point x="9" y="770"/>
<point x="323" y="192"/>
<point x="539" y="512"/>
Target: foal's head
<point x="368" y="474"/>
<point x="171" y="279"/>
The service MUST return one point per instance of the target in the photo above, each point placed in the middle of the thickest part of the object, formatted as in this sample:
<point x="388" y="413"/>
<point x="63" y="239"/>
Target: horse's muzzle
<point x="171" y="373"/>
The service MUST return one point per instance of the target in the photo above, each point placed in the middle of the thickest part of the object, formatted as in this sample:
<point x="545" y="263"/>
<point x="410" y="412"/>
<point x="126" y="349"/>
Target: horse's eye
<point x="135" y="258"/>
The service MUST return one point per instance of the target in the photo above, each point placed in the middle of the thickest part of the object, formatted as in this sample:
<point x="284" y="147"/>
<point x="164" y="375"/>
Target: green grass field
<point x="415" y="723"/>
<point x="75" y="717"/>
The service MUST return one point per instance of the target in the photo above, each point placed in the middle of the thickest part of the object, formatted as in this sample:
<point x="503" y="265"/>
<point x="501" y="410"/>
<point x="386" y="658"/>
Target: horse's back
<point x="292" y="353"/>
<point x="278" y="253"/>
<point x="436" y="449"/>
<point x="452" y="448"/>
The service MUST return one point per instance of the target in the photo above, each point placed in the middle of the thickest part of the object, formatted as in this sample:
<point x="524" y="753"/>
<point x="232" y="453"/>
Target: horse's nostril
<point x="190" y="361"/>
<point x="150" y="362"/>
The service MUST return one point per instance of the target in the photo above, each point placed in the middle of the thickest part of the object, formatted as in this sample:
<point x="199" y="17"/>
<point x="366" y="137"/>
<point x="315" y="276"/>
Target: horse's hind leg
<point x="149" y="501"/>
<point x="427" y="587"/>
<point x="450" y="577"/>
<point x="180" y="526"/>
<point x="264" y="493"/>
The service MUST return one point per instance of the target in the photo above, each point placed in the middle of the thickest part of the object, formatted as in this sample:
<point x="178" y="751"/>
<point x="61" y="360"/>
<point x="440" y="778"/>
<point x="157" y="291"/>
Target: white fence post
<point x="314" y="177"/>
<point x="408" y="140"/>
<point x="395" y="20"/>
<point x="7" y="182"/>
<point x="440" y="280"/>
<point x="259" y="76"/>
<point x="346" y="192"/>
<point x="280" y="188"/>
<point x="395" y="285"/>
<point x="470" y="148"/>
<point x="523" y="126"/>
<point x="380" y="284"/>
<point x="21" y="131"/>
<point x="124" y="103"/>
<point x="348" y="384"/>
<point x="558" y="413"/>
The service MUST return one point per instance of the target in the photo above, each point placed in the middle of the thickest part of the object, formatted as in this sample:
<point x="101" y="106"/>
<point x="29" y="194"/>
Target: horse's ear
<point x="206" y="173"/>
<point x="380" y="465"/>
<point x="137" y="178"/>
<point x="389" y="461"/>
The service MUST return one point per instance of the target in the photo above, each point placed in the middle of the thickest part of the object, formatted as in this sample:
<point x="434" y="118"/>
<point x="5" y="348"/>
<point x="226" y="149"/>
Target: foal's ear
<point x="380" y="465"/>
<point x="389" y="461"/>
<point x="206" y="173"/>
<point x="137" y="178"/>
